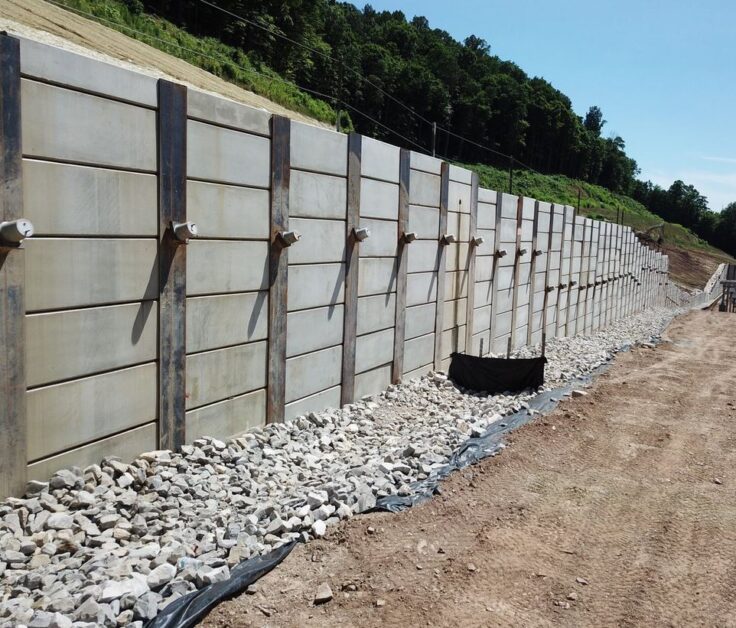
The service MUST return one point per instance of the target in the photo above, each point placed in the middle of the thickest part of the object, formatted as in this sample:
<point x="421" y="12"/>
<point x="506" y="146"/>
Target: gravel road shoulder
<point x="617" y="509"/>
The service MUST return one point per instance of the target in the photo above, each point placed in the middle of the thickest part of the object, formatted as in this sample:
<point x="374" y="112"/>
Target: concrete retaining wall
<point x="120" y="340"/>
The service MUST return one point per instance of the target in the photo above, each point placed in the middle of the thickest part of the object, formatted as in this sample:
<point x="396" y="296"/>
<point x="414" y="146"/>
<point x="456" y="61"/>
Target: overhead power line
<point x="316" y="51"/>
<point x="277" y="33"/>
<point x="309" y="90"/>
<point x="241" y="67"/>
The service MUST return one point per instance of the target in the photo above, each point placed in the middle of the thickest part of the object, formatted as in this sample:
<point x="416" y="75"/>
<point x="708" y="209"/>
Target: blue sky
<point x="662" y="71"/>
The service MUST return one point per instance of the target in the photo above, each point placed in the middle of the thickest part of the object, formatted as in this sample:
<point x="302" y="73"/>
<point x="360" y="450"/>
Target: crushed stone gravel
<point x="114" y="543"/>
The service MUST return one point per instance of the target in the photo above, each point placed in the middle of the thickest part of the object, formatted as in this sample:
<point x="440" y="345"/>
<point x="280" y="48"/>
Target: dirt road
<point x="617" y="510"/>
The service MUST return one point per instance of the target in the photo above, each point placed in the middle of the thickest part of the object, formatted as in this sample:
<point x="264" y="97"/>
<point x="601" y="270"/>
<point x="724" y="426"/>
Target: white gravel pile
<point x="115" y="543"/>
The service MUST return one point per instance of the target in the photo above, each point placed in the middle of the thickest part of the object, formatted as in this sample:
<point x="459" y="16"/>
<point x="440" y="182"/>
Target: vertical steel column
<point x="588" y="283"/>
<point x="13" y="423"/>
<point x="442" y="263"/>
<point x="515" y="295"/>
<point x="547" y="287"/>
<point x="561" y="283"/>
<point x="352" y="259"/>
<point x="570" y="287"/>
<point x="594" y="237"/>
<point x="619" y="271"/>
<point x="581" y="284"/>
<point x="397" y="369"/>
<point x="172" y="208"/>
<point x="472" y="249"/>
<point x="605" y="292"/>
<point x="532" y="273"/>
<point x="278" y="273"/>
<point x="494" y="268"/>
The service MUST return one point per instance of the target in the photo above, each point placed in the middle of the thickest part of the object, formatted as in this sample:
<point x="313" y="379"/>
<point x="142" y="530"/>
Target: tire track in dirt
<point x="616" y="488"/>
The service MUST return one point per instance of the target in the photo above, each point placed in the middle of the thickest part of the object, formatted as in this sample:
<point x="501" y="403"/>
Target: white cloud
<point x="720" y="160"/>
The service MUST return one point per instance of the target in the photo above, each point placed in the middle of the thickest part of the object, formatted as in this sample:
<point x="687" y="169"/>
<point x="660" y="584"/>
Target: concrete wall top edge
<point x="319" y="150"/>
<point x="460" y="175"/>
<point x="418" y="161"/>
<point x="487" y="196"/>
<point x="50" y="63"/>
<point x="508" y="205"/>
<point x="226" y="112"/>
<point x="379" y="160"/>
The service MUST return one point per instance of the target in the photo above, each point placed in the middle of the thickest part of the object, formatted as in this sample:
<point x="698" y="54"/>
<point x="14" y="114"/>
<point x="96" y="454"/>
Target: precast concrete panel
<point x="379" y="199"/>
<point x="424" y="221"/>
<point x="225" y="320"/>
<point x="49" y="132"/>
<point x="75" y="343"/>
<point x="315" y="329"/>
<point x="316" y="285"/>
<point x="420" y="320"/>
<point x="314" y="195"/>
<point x="227" y="156"/>
<point x="312" y="373"/>
<point x="228" y="418"/>
<point x="67" y="415"/>
<point x="379" y="160"/>
<point x="78" y="272"/>
<point x="374" y="350"/>
<point x="323" y="241"/>
<point x="228" y="211"/>
<point x="223" y="373"/>
<point x="217" y="266"/>
<point x="228" y="113"/>
<point x="66" y="199"/>
<point x="376" y="313"/>
<point x="318" y="149"/>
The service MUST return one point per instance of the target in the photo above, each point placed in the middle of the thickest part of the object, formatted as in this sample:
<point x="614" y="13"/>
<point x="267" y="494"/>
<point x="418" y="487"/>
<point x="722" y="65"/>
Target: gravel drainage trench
<point x="115" y="544"/>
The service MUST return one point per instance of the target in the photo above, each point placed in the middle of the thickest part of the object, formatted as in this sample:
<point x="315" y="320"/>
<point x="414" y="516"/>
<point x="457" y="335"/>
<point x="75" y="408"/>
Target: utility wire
<point x="328" y="56"/>
<point x="316" y="51"/>
<point x="277" y="78"/>
<point x="244" y="68"/>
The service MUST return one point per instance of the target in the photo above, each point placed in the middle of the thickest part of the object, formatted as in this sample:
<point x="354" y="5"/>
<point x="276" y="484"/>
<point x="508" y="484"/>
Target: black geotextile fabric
<point x="496" y="375"/>
<point x="189" y="610"/>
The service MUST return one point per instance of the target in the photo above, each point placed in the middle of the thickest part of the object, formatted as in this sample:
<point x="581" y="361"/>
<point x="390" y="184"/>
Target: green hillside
<point x="209" y="53"/>
<point x="595" y="202"/>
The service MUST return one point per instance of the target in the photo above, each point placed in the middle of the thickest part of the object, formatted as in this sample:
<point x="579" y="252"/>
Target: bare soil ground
<point x="616" y="510"/>
<point x="692" y="268"/>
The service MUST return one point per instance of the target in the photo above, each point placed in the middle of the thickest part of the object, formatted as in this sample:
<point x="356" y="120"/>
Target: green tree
<point x="594" y="121"/>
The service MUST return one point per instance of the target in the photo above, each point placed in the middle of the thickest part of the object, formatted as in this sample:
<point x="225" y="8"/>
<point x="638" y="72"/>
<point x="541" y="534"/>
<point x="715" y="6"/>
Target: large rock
<point x="161" y="575"/>
<point x="113" y="590"/>
<point x="60" y="521"/>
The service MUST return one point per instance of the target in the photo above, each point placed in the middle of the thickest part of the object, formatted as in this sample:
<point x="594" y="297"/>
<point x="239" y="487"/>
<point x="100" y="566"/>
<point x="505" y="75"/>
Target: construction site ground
<point x="617" y="509"/>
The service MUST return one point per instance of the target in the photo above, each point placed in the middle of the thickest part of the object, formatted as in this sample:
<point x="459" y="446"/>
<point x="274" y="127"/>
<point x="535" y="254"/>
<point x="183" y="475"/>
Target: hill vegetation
<point x="389" y="77"/>
<point x="595" y="202"/>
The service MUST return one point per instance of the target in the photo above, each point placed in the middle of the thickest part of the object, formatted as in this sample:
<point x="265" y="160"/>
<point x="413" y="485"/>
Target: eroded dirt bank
<point x="618" y="509"/>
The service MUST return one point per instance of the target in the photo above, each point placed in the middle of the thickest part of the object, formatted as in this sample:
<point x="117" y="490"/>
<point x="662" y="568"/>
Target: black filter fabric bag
<point x="496" y="375"/>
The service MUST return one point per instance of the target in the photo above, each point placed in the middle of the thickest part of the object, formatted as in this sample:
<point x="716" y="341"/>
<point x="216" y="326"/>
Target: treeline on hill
<point x="684" y="205"/>
<point x="374" y="61"/>
<point x="458" y="85"/>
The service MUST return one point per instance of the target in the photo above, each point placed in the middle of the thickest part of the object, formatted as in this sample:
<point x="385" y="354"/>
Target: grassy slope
<point x="208" y="53"/>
